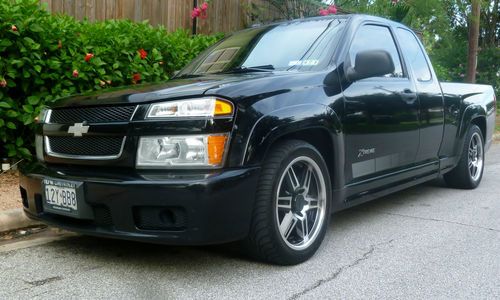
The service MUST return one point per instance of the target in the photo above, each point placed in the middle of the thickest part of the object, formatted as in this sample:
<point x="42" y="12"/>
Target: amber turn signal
<point x="223" y="108"/>
<point x="216" y="146"/>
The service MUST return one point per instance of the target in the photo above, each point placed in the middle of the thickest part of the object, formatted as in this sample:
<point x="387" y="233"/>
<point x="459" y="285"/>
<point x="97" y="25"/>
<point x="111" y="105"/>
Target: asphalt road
<point x="425" y="242"/>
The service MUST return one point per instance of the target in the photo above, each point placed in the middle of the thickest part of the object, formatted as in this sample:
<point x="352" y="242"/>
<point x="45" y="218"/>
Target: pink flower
<point x="75" y="73"/>
<point x="204" y="6"/>
<point x="332" y="9"/>
<point x="3" y="83"/>
<point x="195" y="13"/>
<point x="323" y="12"/>
<point x="394" y="2"/>
<point x="14" y="28"/>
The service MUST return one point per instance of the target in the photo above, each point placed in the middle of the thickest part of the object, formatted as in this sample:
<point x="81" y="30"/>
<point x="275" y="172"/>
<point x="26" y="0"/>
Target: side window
<point x="374" y="37"/>
<point x="414" y="54"/>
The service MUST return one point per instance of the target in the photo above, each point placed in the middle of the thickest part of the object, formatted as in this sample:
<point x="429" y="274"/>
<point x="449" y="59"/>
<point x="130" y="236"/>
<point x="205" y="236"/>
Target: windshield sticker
<point x="307" y="62"/>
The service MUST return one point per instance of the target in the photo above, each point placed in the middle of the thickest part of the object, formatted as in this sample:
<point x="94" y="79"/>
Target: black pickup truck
<point x="260" y="139"/>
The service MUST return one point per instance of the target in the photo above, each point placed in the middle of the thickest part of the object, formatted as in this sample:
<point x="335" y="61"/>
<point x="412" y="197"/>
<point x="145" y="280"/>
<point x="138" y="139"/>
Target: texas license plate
<point x="61" y="196"/>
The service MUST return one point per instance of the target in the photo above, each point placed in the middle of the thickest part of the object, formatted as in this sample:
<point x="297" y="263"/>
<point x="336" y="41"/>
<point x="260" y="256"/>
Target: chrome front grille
<point x="64" y="142"/>
<point x="103" y="114"/>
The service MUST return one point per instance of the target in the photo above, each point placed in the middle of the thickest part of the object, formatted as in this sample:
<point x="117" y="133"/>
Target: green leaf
<point x="17" y="62"/>
<point x="11" y="153"/>
<point x="24" y="152"/>
<point x="28" y="120"/>
<point x="5" y="105"/>
<point x="36" y="28"/>
<point x="54" y="64"/>
<point x="5" y="43"/>
<point x="19" y="142"/>
<point x="38" y="68"/>
<point x="11" y="125"/>
<point x="11" y="114"/>
<point x="33" y="100"/>
<point x="29" y="40"/>
<point x="28" y="108"/>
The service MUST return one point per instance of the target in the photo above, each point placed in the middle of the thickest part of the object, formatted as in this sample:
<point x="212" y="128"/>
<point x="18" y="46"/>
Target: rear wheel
<point x="292" y="206"/>
<point x="469" y="171"/>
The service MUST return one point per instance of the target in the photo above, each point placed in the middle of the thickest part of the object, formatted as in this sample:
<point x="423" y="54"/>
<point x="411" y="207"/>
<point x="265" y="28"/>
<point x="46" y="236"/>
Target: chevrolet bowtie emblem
<point x="78" y="129"/>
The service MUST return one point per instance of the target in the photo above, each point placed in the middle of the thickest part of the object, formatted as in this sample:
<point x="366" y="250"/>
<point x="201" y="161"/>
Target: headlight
<point x="203" y="107"/>
<point x="181" y="151"/>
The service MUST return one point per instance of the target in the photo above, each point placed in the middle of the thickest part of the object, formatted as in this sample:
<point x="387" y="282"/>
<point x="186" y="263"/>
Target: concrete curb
<point x="15" y="219"/>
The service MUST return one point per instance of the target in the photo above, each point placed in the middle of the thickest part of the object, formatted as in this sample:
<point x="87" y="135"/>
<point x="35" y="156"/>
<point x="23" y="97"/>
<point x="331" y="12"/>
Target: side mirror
<point x="371" y="64"/>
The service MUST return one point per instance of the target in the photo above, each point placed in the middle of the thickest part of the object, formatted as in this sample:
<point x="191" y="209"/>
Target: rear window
<point x="414" y="54"/>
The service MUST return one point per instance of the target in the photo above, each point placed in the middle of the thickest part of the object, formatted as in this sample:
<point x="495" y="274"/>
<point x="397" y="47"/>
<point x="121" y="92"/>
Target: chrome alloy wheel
<point x="475" y="161"/>
<point x="301" y="203"/>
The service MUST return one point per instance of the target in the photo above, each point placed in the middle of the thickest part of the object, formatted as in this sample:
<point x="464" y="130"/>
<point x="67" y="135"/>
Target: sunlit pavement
<point x="425" y="242"/>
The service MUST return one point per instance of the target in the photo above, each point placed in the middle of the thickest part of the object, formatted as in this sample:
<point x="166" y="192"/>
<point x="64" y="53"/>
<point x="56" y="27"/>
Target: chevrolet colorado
<point x="260" y="139"/>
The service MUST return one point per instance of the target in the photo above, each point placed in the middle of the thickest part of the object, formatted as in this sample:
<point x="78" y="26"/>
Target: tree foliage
<point x="444" y="25"/>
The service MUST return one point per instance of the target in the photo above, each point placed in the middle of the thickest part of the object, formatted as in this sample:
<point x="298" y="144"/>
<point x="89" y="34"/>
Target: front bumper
<point x="210" y="207"/>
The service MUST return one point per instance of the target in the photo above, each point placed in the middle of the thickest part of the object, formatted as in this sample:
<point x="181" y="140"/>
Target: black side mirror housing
<point x="370" y="64"/>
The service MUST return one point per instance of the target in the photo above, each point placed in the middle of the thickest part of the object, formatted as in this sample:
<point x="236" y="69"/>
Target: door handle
<point x="408" y="96"/>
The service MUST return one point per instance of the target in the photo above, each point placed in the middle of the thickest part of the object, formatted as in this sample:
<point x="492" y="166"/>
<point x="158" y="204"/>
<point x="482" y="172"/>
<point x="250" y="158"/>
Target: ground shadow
<point x="102" y="249"/>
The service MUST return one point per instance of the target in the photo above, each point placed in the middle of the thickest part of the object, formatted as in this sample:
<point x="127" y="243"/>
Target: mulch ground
<point x="9" y="191"/>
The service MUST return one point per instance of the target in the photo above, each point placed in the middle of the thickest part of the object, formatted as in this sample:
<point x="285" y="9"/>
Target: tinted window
<point x="414" y="54"/>
<point x="372" y="37"/>
<point x="305" y="45"/>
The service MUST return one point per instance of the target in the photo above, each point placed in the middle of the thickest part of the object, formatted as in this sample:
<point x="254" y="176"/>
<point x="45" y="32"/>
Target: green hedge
<point x="44" y="57"/>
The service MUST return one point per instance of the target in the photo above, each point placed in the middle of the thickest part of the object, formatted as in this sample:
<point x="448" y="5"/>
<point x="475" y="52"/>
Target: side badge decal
<point x="363" y="152"/>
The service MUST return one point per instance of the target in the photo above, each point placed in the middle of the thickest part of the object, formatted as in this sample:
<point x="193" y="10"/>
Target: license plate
<point x="61" y="196"/>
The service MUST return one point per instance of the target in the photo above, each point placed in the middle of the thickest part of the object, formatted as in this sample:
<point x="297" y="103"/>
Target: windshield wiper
<point x="187" y="76"/>
<point x="263" y="68"/>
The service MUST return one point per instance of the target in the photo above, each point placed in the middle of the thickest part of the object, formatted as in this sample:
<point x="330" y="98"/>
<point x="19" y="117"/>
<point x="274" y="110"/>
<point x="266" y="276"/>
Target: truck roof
<point x="353" y="17"/>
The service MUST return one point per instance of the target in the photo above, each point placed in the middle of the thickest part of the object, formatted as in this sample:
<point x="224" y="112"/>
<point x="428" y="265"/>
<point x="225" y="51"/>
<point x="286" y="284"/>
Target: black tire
<point x="461" y="176"/>
<point x="265" y="241"/>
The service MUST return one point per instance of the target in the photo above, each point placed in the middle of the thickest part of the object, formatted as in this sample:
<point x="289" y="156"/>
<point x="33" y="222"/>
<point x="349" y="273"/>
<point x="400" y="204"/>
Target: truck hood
<point x="170" y="90"/>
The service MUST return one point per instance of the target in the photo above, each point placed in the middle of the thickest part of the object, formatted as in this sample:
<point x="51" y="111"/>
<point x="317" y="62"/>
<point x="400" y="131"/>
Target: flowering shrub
<point x="200" y="11"/>
<point x="45" y="57"/>
<point x="331" y="10"/>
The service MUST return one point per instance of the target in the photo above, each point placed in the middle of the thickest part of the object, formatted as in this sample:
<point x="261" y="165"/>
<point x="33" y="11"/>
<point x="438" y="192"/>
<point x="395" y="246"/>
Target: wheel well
<point x="481" y="123"/>
<point x="318" y="137"/>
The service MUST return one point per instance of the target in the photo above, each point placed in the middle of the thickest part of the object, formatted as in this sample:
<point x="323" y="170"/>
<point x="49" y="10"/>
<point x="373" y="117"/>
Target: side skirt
<point x="426" y="172"/>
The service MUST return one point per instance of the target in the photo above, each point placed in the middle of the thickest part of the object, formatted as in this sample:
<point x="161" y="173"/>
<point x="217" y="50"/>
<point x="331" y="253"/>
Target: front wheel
<point x="469" y="171"/>
<point x="292" y="206"/>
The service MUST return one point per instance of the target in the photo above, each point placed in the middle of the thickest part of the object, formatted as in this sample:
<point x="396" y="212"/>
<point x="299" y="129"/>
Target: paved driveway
<point x="425" y="242"/>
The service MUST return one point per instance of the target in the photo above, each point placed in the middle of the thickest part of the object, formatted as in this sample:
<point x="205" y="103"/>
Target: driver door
<point x="381" y="119"/>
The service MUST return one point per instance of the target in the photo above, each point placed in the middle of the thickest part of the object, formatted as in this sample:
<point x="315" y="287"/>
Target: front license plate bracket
<point x="74" y="204"/>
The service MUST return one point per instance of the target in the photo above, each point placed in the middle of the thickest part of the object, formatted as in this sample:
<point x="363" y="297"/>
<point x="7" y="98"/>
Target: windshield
<point x="305" y="45"/>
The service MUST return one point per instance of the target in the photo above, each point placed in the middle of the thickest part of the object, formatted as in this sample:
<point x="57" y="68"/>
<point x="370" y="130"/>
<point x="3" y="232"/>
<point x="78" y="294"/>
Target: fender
<point x="470" y="113"/>
<point x="292" y="119"/>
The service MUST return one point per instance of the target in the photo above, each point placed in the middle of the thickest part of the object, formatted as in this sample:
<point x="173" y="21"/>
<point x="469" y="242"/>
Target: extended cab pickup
<point x="260" y="139"/>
